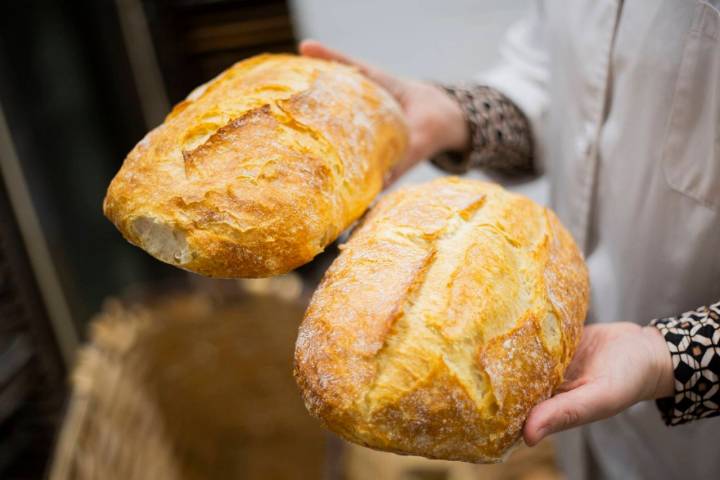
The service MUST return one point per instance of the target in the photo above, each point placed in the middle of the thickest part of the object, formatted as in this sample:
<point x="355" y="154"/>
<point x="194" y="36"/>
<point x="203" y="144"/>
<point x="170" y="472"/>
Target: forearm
<point x="496" y="133"/>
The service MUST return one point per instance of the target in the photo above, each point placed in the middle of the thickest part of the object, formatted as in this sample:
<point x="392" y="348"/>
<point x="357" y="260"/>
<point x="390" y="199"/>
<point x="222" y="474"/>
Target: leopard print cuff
<point x="499" y="132"/>
<point x="694" y="342"/>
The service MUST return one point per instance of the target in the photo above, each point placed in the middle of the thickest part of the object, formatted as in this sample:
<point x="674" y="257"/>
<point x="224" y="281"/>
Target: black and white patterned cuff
<point x="499" y="132"/>
<point x="694" y="342"/>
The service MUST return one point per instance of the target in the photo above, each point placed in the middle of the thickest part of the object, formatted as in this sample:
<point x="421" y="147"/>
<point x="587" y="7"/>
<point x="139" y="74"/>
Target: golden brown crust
<point x="449" y="314"/>
<point x="258" y="170"/>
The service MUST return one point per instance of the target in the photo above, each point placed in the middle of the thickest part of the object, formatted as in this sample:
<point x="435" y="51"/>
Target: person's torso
<point x="634" y="138"/>
<point x="633" y="148"/>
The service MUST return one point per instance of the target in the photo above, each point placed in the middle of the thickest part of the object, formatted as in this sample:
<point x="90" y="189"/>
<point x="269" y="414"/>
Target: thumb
<point x="413" y="155"/>
<point x="313" y="48"/>
<point x="584" y="404"/>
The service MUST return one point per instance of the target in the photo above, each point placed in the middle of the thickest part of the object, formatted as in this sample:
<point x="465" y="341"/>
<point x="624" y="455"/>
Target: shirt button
<point x="584" y="141"/>
<point x="582" y="146"/>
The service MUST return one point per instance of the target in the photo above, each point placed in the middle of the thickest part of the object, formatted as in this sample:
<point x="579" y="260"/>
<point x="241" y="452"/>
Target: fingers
<point x="585" y="404"/>
<point x="313" y="48"/>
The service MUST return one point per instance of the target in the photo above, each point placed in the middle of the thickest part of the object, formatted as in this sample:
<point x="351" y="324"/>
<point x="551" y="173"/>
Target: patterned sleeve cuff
<point x="499" y="132"/>
<point x="694" y="342"/>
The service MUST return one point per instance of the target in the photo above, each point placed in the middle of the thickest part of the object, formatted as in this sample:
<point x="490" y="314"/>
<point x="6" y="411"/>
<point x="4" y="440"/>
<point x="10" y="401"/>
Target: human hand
<point x="435" y="121"/>
<point x="615" y="366"/>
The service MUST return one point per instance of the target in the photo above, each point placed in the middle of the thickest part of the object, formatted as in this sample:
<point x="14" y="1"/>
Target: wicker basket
<point x="190" y="387"/>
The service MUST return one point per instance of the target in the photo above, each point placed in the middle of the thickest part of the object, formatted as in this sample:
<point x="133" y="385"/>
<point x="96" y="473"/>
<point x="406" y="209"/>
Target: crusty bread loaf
<point x="259" y="169"/>
<point x="449" y="314"/>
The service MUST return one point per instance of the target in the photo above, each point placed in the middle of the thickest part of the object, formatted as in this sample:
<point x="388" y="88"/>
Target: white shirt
<point x="624" y="103"/>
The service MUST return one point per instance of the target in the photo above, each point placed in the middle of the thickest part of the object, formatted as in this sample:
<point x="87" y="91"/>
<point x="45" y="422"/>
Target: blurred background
<point x="95" y="350"/>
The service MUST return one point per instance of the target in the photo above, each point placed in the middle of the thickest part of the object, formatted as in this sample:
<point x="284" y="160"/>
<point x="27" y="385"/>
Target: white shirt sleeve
<point x="522" y="75"/>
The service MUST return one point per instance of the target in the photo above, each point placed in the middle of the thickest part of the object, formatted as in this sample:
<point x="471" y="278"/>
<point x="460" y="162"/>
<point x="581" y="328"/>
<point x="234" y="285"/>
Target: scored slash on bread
<point x="449" y="314"/>
<point x="258" y="170"/>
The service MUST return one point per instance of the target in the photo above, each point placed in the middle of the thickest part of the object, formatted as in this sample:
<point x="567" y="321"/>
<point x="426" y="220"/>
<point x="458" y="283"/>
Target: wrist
<point x="451" y="130"/>
<point x="660" y="379"/>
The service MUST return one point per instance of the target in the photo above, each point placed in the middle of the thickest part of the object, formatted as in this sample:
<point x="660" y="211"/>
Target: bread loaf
<point x="259" y="169"/>
<point x="449" y="314"/>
